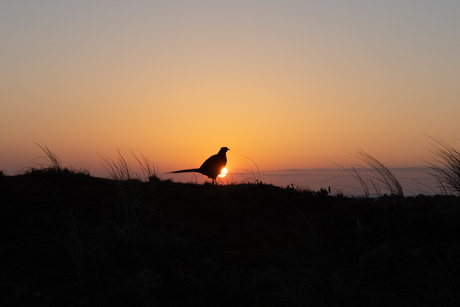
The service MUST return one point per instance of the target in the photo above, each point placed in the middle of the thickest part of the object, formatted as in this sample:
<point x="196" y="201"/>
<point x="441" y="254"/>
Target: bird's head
<point x="223" y="150"/>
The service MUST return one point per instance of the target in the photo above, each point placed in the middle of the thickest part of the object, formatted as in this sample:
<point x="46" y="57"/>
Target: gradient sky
<point x="289" y="84"/>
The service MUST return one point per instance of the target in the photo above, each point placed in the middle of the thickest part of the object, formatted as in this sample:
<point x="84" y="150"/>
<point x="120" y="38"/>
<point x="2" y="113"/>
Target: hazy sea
<point x="414" y="180"/>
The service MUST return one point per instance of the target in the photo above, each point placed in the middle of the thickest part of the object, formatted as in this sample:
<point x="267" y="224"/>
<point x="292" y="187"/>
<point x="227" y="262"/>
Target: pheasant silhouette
<point x="212" y="167"/>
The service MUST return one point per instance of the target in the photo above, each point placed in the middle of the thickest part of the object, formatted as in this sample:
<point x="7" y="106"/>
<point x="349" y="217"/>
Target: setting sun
<point x="223" y="173"/>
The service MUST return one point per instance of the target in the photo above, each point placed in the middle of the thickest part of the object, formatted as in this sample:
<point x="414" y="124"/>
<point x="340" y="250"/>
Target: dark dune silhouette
<point x="212" y="167"/>
<point x="68" y="239"/>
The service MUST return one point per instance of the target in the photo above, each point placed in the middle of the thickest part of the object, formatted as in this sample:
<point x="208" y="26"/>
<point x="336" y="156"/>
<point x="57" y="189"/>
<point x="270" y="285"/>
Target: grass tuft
<point x="253" y="169"/>
<point x="52" y="160"/>
<point x="446" y="167"/>
<point x="381" y="174"/>
<point x="362" y="180"/>
<point x="120" y="170"/>
<point x="148" y="169"/>
<point x="53" y="164"/>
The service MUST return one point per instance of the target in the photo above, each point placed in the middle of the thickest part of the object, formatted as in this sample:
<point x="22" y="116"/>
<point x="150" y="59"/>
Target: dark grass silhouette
<point x="379" y="175"/>
<point x="121" y="170"/>
<point x="446" y="167"/>
<point x="70" y="239"/>
<point x="212" y="167"/>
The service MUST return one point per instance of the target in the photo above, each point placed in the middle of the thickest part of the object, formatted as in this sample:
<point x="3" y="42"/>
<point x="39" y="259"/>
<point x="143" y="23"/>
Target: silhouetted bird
<point x="212" y="167"/>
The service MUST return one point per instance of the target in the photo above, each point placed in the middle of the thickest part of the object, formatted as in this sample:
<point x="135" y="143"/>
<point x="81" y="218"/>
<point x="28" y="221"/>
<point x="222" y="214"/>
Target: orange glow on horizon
<point x="294" y="86"/>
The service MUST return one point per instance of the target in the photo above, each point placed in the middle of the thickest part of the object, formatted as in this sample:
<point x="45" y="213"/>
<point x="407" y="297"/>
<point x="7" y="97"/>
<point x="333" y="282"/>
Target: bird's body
<point x="212" y="167"/>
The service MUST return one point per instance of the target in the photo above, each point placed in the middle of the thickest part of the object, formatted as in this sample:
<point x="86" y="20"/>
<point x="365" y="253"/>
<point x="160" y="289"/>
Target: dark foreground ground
<point x="74" y="240"/>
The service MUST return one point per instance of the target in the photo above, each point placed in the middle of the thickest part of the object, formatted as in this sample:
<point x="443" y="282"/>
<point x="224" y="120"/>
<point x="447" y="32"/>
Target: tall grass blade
<point x="118" y="170"/>
<point x="381" y="174"/>
<point x="53" y="162"/>
<point x="446" y="167"/>
<point x="147" y="167"/>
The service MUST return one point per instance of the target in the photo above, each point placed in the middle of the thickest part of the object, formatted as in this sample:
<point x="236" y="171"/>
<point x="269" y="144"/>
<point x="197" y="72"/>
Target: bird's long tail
<point x="191" y="170"/>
